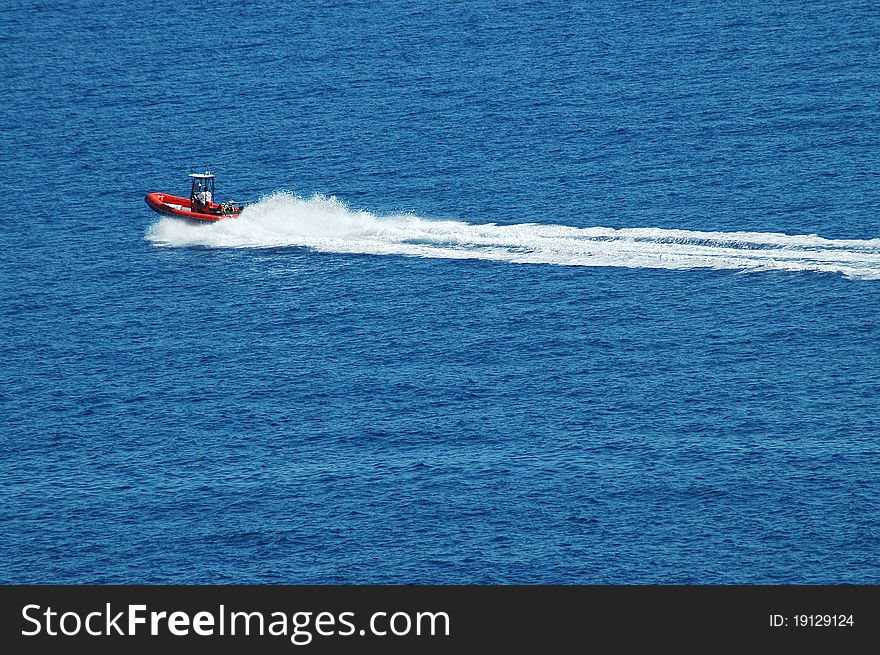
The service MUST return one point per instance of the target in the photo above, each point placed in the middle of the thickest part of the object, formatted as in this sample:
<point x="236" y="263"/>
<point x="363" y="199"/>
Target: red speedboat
<point x="200" y="205"/>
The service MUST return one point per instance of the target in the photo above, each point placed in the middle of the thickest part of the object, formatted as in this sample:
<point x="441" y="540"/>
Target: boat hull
<point x="178" y="207"/>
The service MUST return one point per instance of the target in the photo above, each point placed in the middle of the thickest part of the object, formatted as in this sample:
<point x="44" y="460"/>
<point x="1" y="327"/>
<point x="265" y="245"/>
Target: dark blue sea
<point x="528" y="292"/>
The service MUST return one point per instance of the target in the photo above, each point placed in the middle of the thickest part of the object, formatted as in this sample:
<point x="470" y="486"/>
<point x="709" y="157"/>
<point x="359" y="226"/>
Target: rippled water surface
<point x="527" y="292"/>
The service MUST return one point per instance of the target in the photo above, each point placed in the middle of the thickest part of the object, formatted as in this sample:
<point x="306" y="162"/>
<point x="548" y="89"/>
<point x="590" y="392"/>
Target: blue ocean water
<point x="536" y="292"/>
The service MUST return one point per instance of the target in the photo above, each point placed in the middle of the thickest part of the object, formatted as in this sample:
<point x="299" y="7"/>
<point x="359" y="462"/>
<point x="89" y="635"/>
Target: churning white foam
<point x="327" y="225"/>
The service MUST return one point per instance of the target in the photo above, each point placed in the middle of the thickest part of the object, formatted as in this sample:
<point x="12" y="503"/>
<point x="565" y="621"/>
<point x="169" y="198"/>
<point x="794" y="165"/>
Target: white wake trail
<point x="327" y="225"/>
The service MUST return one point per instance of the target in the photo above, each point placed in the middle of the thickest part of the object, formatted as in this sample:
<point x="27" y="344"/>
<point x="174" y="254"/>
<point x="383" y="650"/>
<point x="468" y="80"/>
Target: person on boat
<point x="201" y="198"/>
<point x="204" y="198"/>
<point x="194" y="199"/>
